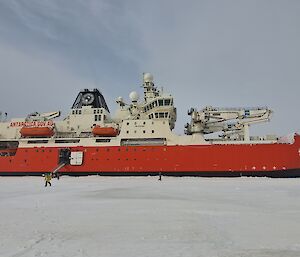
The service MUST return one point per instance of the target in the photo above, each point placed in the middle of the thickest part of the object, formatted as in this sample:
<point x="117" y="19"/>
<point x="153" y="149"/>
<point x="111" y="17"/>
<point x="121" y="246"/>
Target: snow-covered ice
<point x="141" y="216"/>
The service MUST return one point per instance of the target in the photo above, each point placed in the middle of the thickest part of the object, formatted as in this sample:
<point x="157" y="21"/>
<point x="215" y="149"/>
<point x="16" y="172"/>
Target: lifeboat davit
<point x="36" y="132"/>
<point x="105" y="131"/>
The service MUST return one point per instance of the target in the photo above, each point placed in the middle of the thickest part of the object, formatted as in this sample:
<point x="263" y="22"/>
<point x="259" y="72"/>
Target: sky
<point x="230" y="53"/>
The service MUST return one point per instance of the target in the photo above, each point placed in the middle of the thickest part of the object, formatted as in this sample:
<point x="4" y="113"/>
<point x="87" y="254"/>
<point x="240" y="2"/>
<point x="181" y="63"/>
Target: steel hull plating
<point x="273" y="160"/>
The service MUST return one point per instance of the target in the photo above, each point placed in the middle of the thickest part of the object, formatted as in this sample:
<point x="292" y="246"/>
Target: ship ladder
<point x="58" y="168"/>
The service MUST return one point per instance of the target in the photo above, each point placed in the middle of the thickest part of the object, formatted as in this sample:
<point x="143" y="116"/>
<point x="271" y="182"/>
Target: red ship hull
<point x="273" y="160"/>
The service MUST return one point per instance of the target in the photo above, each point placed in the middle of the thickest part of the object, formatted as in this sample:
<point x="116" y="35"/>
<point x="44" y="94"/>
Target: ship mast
<point x="150" y="91"/>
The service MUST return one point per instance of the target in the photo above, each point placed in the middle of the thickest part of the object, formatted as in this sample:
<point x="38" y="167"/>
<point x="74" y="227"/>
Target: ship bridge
<point x="157" y="105"/>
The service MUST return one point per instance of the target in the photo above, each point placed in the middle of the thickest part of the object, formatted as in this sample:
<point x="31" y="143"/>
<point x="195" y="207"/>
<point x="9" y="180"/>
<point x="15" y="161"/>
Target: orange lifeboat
<point x="104" y="131"/>
<point x="36" y="132"/>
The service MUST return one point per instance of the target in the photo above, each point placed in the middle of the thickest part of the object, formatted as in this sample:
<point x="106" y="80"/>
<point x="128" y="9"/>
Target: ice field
<point x="141" y="216"/>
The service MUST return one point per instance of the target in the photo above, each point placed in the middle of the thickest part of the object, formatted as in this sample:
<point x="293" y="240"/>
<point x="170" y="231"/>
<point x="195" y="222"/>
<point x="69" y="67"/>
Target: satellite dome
<point x="148" y="77"/>
<point x="120" y="99"/>
<point x="134" y="96"/>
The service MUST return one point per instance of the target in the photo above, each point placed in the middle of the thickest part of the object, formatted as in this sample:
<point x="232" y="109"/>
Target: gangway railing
<point x="58" y="167"/>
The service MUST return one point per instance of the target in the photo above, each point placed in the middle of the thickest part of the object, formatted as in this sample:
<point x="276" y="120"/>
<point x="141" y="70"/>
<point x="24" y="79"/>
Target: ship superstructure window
<point x="98" y="111"/>
<point x="67" y="141"/>
<point x="167" y="101"/>
<point x="98" y="117"/>
<point x="143" y="141"/>
<point x="160" y="102"/>
<point x="37" y="141"/>
<point x="161" y="115"/>
<point x="102" y="140"/>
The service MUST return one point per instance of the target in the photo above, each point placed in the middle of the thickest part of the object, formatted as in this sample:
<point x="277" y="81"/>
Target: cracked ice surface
<point x="141" y="216"/>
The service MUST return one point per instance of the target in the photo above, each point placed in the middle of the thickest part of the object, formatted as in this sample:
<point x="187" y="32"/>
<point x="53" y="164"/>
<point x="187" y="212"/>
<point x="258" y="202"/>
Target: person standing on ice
<point x="48" y="178"/>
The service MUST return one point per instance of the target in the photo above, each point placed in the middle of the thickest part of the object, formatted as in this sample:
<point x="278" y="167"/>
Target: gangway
<point x="58" y="168"/>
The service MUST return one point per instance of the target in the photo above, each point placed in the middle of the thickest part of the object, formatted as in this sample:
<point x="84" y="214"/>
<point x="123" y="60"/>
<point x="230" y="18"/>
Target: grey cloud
<point x="223" y="53"/>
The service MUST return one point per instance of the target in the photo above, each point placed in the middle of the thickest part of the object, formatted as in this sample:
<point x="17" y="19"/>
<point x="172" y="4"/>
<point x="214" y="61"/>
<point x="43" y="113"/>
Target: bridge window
<point x="167" y="101"/>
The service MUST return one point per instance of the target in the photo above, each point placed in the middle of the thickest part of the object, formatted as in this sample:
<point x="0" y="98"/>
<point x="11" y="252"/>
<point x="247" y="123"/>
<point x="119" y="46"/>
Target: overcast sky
<point x="219" y="53"/>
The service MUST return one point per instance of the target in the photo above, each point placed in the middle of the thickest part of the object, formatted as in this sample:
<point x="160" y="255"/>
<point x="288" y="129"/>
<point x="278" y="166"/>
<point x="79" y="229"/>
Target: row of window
<point x="159" y="115"/>
<point x="98" y="117"/>
<point x="66" y="141"/>
<point x="98" y="111"/>
<point x="144" y="131"/>
<point x="160" y="102"/>
<point x="80" y="111"/>
<point x="108" y="149"/>
<point x="139" y="124"/>
<point x="76" y="112"/>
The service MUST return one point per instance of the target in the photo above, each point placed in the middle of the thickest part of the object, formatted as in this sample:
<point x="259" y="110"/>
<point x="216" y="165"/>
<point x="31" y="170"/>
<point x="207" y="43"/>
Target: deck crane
<point x="231" y="122"/>
<point x="42" y="116"/>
